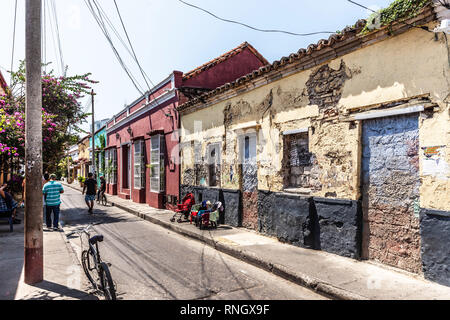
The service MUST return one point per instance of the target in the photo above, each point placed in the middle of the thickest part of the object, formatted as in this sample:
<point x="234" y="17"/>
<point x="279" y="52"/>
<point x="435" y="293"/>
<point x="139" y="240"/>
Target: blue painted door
<point x="390" y="189"/>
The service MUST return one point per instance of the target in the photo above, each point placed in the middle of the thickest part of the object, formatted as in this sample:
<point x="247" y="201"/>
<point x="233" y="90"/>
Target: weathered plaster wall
<point x="320" y="98"/>
<point x="434" y="129"/>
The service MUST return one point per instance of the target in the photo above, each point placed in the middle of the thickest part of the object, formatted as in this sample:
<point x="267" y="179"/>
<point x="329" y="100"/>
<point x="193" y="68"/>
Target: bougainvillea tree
<point x="62" y="115"/>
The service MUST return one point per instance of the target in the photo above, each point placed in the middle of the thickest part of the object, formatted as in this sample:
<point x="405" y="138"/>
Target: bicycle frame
<point x="106" y="284"/>
<point x="92" y="248"/>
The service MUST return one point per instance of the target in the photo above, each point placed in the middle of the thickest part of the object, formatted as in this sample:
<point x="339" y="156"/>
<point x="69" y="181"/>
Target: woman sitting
<point x="7" y="202"/>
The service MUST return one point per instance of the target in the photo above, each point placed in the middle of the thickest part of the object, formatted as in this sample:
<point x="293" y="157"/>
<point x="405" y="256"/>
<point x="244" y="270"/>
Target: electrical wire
<point x="253" y="28"/>
<point x="98" y="17"/>
<point x="131" y="46"/>
<point x="14" y="42"/>
<point x="44" y="37"/>
<point x="63" y="67"/>
<point x="53" y="32"/>
<point x="444" y="4"/>
<point x="410" y="25"/>
<point x="111" y="25"/>
<point x="101" y="19"/>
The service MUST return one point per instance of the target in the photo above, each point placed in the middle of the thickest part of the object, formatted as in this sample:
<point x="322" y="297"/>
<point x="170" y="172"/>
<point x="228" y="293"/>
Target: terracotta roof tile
<point x="334" y="41"/>
<point x="223" y="58"/>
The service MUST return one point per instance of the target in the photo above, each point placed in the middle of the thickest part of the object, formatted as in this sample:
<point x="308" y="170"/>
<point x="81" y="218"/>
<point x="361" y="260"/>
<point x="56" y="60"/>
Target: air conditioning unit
<point x="444" y="27"/>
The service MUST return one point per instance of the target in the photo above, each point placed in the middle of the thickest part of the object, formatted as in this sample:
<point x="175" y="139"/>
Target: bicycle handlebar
<point x="84" y="230"/>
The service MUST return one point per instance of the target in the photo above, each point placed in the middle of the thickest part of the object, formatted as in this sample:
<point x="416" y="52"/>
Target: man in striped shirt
<point x="52" y="194"/>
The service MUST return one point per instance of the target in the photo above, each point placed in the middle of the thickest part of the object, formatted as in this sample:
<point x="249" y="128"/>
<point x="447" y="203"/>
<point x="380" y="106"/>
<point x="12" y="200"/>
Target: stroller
<point x="184" y="209"/>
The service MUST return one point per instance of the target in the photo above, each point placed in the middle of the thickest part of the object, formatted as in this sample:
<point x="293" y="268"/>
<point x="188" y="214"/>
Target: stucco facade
<point x="143" y="139"/>
<point x="100" y="145"/>
<point x="84" y="156"/>
<point x="322" y="166"/>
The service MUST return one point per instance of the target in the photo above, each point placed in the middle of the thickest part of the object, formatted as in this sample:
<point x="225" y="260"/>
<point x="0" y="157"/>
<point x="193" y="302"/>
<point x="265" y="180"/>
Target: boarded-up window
<point x="214" y="165"/>
<point x="297" y="160"/>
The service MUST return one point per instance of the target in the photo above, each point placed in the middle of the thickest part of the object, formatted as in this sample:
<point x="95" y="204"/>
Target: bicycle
<point x="91" y="260"/>
<point x="101" y="198"/>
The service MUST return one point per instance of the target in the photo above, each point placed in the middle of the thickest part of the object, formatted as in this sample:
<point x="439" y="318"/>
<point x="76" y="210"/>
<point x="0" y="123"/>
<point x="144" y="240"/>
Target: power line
<point x="111" y="25"/>
<point x="52" y="28"/>
<point x="14" y="42"/>
<point x="98" y="17"/>
<point x="53" y="5"/>
<point x="131" y="46"/>
<point x="410" y="25"/>
<point x="44" y="36"/>
<point x="101" y="17"/>
<point x="101" y="20"/>
<point x="444" y="4"/>
<point x="253" y="28"/>
<point x="360" y="5"/>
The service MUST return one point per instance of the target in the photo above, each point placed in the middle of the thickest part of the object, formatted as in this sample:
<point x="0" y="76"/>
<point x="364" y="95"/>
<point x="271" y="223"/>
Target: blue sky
<point x="168" y="35"/>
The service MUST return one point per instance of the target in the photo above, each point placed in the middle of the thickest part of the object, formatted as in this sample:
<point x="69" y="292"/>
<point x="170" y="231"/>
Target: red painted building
<point x="3" y="85"/>
<point x="142" y="156"/>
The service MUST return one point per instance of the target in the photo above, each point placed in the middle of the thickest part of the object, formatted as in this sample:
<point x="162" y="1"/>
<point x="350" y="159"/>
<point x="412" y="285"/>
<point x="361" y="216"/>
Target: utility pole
<point x="34" y="253"/>
<point x="93" y="135"/>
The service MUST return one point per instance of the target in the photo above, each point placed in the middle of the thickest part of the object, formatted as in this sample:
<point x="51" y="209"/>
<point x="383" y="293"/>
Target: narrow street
<point x="150" y="262"/>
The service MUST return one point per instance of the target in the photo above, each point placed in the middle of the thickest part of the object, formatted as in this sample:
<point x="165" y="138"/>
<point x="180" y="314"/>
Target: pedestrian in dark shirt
<point x="102" y="189"/>
<point x="90" y="187"/>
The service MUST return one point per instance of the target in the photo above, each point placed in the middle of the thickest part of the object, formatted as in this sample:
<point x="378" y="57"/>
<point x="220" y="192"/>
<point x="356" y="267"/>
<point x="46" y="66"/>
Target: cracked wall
<point x="321" y="99"/>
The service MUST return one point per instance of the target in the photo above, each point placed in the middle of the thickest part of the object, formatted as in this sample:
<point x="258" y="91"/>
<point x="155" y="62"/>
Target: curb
<point x="301" y="279"/>
<point x="319" y="286"/>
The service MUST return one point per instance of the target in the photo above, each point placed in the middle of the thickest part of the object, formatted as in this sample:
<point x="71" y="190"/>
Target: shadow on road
<point x="54" y="291"/>
<point x="80" y="217"/>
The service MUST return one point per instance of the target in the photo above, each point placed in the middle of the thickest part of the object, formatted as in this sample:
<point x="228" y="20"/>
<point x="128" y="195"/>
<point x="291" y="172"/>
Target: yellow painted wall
<point x="403" y="66"/>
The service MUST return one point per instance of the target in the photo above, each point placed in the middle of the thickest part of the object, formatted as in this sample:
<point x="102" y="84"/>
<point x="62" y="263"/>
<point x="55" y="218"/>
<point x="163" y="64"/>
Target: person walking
<point x="52" y="191"/>
<point x="90" y="187"/>
<point x="44" y="181"/>
<point x="102" y="189"/>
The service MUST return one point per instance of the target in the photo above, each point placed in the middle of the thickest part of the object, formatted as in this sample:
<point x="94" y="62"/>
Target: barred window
<point x="114" y="166"/>
<point x="157" y="164"/>
<point x="107" y="165"/>
<point x="139" y="164"/>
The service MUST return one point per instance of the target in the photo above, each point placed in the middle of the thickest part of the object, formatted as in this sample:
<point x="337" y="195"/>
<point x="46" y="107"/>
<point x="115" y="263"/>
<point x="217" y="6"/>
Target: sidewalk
<point x="63" y="275"/>
<point x="332" y="275"/>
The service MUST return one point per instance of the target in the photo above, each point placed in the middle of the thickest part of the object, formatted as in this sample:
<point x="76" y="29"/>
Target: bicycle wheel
<point x="107" y="282"/>
<point x="104" y="200"/>
<point x="85" y="262"/>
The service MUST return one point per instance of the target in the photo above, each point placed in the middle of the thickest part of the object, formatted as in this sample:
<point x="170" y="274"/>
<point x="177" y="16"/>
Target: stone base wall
<point x="332" y="225"/>
<point x="339" y="226"/>
<point x="435" y="241"/>
<point x="287" y="217"/>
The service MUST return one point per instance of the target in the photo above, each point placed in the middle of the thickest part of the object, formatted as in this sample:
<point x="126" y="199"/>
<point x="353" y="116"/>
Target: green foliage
<point x="62" y="115"/>
<point x="397" y="11"/>
<point x="81" y="179"/>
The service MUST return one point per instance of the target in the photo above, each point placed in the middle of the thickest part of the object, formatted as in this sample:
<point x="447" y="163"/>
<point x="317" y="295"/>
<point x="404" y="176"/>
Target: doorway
<point x="126" y="166"/>
<point x="390" y="191"/>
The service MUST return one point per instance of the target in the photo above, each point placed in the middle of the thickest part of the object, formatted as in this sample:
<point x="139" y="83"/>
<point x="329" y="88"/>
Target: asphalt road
<point x="152" y="263"/>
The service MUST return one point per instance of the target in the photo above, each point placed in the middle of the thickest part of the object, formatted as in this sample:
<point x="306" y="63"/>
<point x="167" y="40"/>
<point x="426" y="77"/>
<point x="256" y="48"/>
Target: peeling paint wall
<point x="320" y="99"/>
<point x="410" y="69"/>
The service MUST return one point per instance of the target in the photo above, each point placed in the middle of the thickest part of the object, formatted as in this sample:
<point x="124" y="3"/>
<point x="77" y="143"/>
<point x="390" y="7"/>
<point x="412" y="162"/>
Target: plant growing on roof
<point x="398" y="10"/>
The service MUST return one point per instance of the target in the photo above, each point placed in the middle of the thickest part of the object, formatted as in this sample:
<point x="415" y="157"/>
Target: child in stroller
<point x="210" y="215"/>
<point x="204" y="209"/>
<point x="184" y="209"/>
